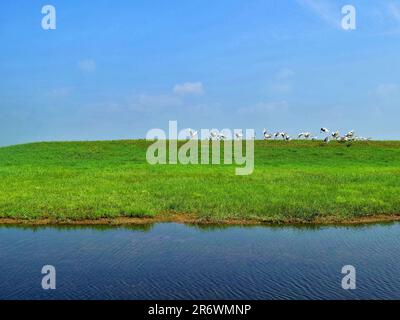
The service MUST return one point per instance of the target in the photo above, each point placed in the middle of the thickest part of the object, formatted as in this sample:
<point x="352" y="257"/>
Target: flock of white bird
<point x="282" y="135"/>
<point x="329" y="136"/>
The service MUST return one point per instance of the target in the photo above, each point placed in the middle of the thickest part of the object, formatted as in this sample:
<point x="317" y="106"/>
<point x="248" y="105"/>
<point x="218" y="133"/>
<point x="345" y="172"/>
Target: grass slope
<point x="299" y="181"/>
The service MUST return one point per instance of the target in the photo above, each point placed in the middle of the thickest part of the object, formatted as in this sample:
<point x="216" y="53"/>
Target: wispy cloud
<point x="167" y="101"/>
<point x="385" y="97"/>
<point x="189" y="88"/>
<point x="265" y="107"/>
<point x="60" y="92"/>
<point x="282" y="82"/>
<point x="325" y="10"/>
<point x="87" y="65"/>
<point x="159" y="101"/>
<point x="280" y="88"/>
<point x="394" y="10"/>
<point x="386" y="89"/>
<point x="285" y="73"/>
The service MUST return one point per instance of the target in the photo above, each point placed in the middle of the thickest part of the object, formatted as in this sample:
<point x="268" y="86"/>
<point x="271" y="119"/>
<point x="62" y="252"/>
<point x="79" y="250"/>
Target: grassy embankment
<point x="297" y="181"/>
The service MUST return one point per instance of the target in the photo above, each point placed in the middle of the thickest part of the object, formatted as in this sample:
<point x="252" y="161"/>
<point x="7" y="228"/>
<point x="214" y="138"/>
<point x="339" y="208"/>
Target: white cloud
<point x="87" y="65"/>
<point x="280" y="88"/>
<point x="103" y="107"/>
<point x="386" y="89"/>
<point x="282" y="82"/>
<point x="325" y="10"/>
<point x="158" y="101"/>
<point x="394" y="10"/>
<point x="154" y="103"/>
<point x="189" y="88"/>
<point x="60" y="92"/>
<point x="137" y="103"/>
<point x="285" y="73"/>
<point x="265" y="107"/>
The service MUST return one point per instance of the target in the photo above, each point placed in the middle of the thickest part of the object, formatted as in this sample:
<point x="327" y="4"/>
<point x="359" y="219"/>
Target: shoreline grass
<point x="293" y="182"/>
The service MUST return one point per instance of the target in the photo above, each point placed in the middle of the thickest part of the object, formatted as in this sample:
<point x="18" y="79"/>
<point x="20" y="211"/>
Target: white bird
<point x="335" y="134"/>
<point x="267" y="136"/>
<point x="306" y="135"/>
<point x="365" y="139"/>
<point x="327" y="140"/>
<point x="350" y="134"/>
<point x="192" y="133"/>
<point x="324" y="130"/>
<point x="238" y="135"/>
<point x="361" y="139"/>
<point x="221" y="136"/>
<point x="343" y="139"/>
<point x="213" y="135"/>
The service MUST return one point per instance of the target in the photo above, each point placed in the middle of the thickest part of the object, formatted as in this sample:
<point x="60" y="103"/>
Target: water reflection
<point x="173" y="261"/>
<point x="200" y="226"/>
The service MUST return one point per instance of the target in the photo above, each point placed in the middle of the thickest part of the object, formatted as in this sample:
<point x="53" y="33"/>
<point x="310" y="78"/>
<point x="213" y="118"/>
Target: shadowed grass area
<point x="296" y="181"/>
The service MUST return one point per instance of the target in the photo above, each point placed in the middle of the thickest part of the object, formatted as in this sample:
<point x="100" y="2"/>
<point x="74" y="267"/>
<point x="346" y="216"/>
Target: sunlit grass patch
<point x="292" y="181"/>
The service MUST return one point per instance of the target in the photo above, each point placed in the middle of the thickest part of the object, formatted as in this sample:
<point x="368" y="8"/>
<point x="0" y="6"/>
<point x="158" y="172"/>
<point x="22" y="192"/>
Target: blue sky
<point x="116" y="69"/>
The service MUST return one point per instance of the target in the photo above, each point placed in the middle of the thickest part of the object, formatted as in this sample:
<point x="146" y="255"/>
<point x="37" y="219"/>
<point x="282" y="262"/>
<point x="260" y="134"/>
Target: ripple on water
<point x="172" y="261"/>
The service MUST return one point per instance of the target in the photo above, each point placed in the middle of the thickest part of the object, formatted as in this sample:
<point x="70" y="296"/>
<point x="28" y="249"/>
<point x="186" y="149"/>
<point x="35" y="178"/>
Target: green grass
<point x="295" y="181"/>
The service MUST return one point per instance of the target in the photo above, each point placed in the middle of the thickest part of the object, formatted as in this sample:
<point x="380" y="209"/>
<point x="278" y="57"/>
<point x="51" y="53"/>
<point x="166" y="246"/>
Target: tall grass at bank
<point x="292" y="181"/>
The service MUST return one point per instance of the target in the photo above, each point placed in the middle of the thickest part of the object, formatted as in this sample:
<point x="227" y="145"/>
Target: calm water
<point x="171" y="261"/>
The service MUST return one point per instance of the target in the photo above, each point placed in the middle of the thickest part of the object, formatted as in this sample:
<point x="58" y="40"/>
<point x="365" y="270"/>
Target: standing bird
<point x="192" y="133"/>
<point x="306" y="135"/>
<point x="213" y="135"/>
<point x="239" y="135"/>
<point x="221" y="136"/>
<point x="335" y="134"/>
<point x="327" y="140"/>
<point x="267" y="136"/>
<point x="350" y="134"/>
<point x="362" y="139"/>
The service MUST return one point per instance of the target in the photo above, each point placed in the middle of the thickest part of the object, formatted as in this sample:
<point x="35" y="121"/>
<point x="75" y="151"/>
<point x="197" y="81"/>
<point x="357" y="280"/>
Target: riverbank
<point x="182" y="219"/>
<point x="110" y="182"/>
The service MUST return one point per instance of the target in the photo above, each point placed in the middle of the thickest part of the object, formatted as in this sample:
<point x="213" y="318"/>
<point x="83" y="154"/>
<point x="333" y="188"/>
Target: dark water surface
<point x="172" y="261"/>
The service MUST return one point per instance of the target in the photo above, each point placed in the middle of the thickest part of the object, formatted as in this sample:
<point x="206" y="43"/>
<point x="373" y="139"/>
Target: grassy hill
<point x="297" y="181"/>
